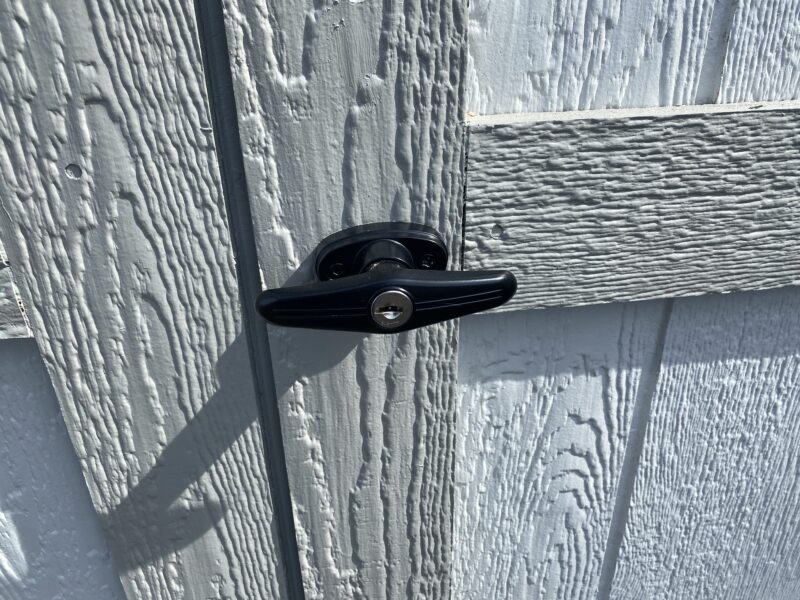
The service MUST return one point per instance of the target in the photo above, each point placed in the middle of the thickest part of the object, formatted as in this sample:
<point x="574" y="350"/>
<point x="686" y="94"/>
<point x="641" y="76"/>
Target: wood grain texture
<point x="714" y="509"/>
<point x="113" y="218"/>
<point x="549" y="56"/>
<point x="761" y="62"/>
<point x="546" y="406"/>
<point x="13" y="323"/>
<point x="556" y="55"/>
<point x="635" y="205"/>
<point x="715" y="504"/>
<point x="351" y="113"/>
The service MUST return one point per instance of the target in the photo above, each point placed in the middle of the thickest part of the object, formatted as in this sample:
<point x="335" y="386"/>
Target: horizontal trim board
<point x="617" y="205"/>
<point x="476" y="121"/>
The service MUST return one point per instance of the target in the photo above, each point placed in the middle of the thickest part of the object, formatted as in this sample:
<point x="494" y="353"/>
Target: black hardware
<point x="384" y="278"/>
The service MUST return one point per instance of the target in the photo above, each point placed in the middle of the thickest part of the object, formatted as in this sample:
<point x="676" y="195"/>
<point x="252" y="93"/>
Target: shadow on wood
<point x="169" y="498"/>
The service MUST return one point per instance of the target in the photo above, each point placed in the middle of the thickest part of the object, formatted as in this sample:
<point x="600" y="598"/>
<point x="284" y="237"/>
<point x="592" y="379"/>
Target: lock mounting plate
<point x="340" y="254"/>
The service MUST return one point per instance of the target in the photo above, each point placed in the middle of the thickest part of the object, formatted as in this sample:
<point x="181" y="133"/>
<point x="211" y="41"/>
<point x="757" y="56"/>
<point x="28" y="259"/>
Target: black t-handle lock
<point x="384" y="278"/>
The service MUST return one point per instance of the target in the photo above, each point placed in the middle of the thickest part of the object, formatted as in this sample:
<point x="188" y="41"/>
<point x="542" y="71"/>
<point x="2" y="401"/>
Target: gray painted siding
<point x="112" y="215"/>
<point x="704" y="503"/>
<point x="51" y="543"/>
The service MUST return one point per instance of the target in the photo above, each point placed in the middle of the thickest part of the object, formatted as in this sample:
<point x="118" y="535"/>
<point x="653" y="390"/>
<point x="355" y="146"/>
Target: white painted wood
<point x="51" y="542"/>
<point x="13" y="323"/>
<point x="546" y="408"/>
<point x="113" y="218"/>
<point x="761" y="62"/>
<point x="12" y="320"/>
<point x="715" y="505"/>
<point x="714" y="510"/>
<point x="351" y="113"/>
<point x="540" y="57"/>
<point x="627" y="205"/>
<point x="555" y="55"/>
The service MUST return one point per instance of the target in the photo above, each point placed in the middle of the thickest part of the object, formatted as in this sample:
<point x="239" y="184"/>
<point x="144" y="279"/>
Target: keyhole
<point x="391" y="312"/>
<point x="392" y="309"/>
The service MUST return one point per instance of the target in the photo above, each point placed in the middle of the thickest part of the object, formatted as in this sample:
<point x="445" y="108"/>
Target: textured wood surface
<point x="761" y="61"/>
<point x="113" y="219"/>
<point x="713" y="514"/>
<point x="715" y="504"/>
<point x="631" y="205"/>
<point x="12" y="320"/>
<point x="350" y="113"/>
<point x="13" y="323"/>
<point x="555" y="55"/>
<point x="550" y="56"/>
<point x="546" y="407"/>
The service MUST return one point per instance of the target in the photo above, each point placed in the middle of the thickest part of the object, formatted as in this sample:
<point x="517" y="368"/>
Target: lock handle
<point x="384" y="278"/>
<point x="350" y="303"/>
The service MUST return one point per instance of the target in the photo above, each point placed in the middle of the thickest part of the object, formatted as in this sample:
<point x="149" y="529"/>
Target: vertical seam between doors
<point x="219" y="83"/>
<point x="465" y="176"/>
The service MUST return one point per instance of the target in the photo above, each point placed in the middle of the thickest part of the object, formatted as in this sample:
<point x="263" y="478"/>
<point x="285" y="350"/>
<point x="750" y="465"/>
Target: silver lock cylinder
<point x="392" y="309"/>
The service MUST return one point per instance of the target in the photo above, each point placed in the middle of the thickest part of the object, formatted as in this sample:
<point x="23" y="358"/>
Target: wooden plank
<point x="715" y="504"/>
<point x="632" y="205"/>
<point x="761" y="59"/>
<point x="547" y="401"/>
<point x="351" y="113"/>
<point x="113" y="218"/>
<point x="555" y="55"/>
<point x="549" y="56"/>
<point x="51" y="543"/>
<point x="713" y="510"/>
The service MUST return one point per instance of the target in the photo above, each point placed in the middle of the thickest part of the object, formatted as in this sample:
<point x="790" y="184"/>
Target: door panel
<point x="547" y="405"/>
<point x="583" y="54"/>
<point x="715" y="504"/>
<point x="351" y="113"/>
<point x="686" y="525"/>
<point x="113" y="218"/>
<point x="714" y="509"/>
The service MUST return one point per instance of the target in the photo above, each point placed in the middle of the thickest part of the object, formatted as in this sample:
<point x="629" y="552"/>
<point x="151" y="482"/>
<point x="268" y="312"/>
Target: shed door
<point x="627" y="427"/>
<point x="642" y="447"/>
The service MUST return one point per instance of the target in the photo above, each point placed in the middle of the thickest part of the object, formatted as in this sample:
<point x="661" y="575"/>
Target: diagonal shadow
<point x="151" y="522"/>
<point x="148" y="523"/>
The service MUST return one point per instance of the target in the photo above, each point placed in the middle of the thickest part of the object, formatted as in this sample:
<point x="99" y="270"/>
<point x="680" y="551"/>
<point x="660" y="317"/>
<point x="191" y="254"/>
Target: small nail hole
<point x="73" y="171"/>
<point x="497" y="231"/>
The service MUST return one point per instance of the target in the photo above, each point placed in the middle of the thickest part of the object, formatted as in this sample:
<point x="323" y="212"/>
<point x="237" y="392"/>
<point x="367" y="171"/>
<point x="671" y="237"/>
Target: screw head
<point x="336" y="270"/>
<point x="391" y="309"/>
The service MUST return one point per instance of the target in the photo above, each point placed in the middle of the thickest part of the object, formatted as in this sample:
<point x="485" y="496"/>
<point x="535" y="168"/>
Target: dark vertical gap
<point x="633" y="454"/>
<point x="710" y="78"/>
<point x="214" y="48"/>
<point x="464" y="195"/>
